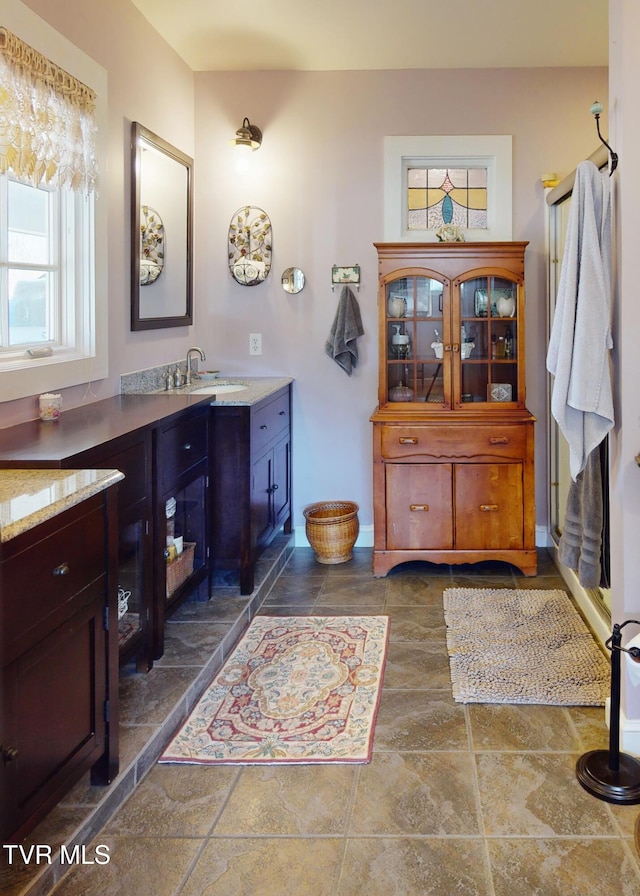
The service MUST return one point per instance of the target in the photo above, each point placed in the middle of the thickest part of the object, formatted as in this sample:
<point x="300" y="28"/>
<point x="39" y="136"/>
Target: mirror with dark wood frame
<point x="161" y="233"/>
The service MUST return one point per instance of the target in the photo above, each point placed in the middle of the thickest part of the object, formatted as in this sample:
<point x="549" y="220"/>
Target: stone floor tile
<point x="145" y="699"/>
<point x="411" y="590"/>
<point x="266" y="867"/>
<point x="419" y="721"/>
<point x="191" y="643"/>
<point x="537" y="795"/>
<point x="502" y="727"/>
<point x="429" y="794"/>
<point x="136" y="865"/>
<point x="416" y="624"/>
<point x="414" y="867"/>
<point x="417" y="664"/>
<point x="301" y="800"/>
<point x="562" y="867"/>
<point x="175" y="801"/>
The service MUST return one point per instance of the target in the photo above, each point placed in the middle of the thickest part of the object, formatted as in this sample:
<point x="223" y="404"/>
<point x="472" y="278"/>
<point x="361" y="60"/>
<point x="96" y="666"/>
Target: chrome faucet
<point x="203" y="357"/>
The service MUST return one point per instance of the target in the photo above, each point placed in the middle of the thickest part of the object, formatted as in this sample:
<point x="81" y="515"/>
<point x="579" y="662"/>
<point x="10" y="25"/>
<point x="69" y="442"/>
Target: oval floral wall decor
<point x="151" y="245"/>
<point x="250" y="246"/>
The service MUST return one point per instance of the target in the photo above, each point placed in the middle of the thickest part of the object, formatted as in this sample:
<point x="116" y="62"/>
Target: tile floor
<point x="473" y="800"/>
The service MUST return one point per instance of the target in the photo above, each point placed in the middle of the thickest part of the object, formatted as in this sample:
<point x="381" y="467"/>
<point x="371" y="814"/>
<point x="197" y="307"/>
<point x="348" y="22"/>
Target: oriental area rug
<point x="522" y="646"/>
<point x="296" y="689"/>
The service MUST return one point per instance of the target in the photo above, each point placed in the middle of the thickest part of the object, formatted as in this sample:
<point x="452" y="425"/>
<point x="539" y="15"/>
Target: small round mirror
<point x="293" y="280"/>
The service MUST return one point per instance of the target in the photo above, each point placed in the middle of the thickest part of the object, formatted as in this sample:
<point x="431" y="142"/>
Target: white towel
<point x="580" y="342"/>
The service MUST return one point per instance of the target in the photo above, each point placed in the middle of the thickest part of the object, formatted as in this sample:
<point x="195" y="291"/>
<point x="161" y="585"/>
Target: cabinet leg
<point x="247" y="579"/>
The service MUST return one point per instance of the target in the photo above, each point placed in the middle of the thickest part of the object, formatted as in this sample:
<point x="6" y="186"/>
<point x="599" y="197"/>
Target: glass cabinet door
<point x="416" y="332"/>
<point x="132" y="608"/>
<point x="488" y="340"/>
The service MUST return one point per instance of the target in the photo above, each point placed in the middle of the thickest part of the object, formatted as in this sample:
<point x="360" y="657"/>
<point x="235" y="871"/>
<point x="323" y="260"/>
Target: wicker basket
<point x="179" y="570"/>
<point x="332" y="529"/>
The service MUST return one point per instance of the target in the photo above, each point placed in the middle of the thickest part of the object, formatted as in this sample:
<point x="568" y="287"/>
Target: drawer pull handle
<point x="264" y="426"/>
<point x="274" y="488"/>
<point x="488" y="508"/>
<point x="498" y="440"/>
<point x="187" y="446"/>
<point x="414" y="507"/>
<point x="62" y="570"/>
<point x="408" y="440"/>
<point x="9" y="754"/>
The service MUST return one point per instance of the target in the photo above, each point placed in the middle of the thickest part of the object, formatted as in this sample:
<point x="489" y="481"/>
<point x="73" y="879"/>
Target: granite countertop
<point x="257" y="388"/>
<point x="29" y="497"/>
<point x="89" y="425"/>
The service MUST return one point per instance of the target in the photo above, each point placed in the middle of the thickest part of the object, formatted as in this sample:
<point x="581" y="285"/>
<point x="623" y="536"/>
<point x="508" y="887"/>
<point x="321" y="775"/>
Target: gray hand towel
<point x="581" y="540"/>
<point x="347" y="327"/>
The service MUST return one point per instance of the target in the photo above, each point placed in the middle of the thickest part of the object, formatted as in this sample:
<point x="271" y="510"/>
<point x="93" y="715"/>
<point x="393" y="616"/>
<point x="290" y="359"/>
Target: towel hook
<point x="349" y="276"/>
<point x="596" y="109"/>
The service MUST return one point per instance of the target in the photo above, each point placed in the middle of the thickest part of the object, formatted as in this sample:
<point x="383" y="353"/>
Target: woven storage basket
<point x="332" y="529"/>
<point x="179" y="570"/>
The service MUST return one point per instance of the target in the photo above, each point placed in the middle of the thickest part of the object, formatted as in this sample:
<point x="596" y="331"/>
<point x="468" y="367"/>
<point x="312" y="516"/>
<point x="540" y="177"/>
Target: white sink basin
<point x="220" y="389"/>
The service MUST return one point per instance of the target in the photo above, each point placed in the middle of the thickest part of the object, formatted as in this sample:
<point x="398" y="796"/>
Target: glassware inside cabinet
<point x="414" y="339"/>
<point x="488" y="339"/>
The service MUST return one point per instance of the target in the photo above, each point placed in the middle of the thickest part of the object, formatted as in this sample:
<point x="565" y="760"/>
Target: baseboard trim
<point x="629" y="734"/>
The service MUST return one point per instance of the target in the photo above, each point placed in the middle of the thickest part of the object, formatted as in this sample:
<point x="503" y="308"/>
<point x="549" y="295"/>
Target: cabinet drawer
<point x="456" y="442"/>
<point x="134" y="463"/>
<point x="181" y="447"/>
<point x="269" y="422"/>
<point x="48" y="581"/>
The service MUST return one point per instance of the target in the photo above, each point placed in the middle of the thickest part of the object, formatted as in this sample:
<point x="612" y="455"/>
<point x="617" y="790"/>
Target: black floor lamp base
<point x="622" y="786"/>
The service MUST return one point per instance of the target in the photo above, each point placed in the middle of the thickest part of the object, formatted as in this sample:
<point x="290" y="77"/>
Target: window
<point x="431" y="181"/>
<point x="439" y="196"/>
<point x="41" y="270"/>
<point x="53" y="296"/>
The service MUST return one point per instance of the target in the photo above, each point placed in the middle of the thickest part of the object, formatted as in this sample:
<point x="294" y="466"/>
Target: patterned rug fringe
<point x="296" y="689"/>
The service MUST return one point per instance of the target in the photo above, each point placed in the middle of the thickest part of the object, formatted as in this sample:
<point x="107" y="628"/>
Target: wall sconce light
<point x="248" y="135"/>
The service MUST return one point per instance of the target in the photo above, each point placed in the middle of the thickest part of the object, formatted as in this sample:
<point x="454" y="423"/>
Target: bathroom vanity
<point x="58" y="610"/>
<point x="224" y="458"/>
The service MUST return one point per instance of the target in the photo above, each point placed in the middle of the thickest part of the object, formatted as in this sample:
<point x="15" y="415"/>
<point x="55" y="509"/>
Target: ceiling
<point x="305" y="35"/>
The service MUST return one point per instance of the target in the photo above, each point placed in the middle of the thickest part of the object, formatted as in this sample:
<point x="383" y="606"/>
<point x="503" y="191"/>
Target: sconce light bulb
<point x="247" y="135"/>
<point x="596" y="108"/>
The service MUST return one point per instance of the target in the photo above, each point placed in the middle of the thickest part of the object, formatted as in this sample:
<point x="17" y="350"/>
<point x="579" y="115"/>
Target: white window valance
<point x="47" y="120"/>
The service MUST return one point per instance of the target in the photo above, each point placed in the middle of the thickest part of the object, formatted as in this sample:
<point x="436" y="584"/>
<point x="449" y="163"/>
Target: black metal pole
<point x="609" y="774"/>
<point x="614" y="705"/>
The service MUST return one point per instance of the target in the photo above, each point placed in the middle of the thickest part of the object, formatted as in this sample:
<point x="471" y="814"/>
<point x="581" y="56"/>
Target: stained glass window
<point x="438" y="196"/>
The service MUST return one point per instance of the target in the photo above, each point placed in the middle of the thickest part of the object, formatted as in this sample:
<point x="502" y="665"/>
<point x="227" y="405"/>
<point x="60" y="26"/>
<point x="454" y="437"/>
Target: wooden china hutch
<point x="453" y="442"/>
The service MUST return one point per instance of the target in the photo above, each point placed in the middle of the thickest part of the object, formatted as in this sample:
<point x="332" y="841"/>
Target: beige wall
<point x="319" y="176"/>
<point x="147" y="82"/>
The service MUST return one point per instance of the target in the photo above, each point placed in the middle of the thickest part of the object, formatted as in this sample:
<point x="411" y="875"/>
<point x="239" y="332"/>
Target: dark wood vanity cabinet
<point x="181" y="513"/>
<point x="250" y="482"/>
<point x="59" y="695"/>
<point x="131" y="454"/>
<point x="31" y="446"/>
